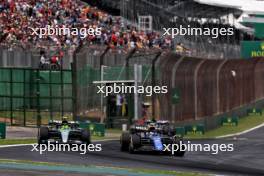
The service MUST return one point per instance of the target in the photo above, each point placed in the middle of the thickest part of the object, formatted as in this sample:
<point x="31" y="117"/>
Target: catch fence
<point x="206" y="88"/>
<point x="105" y="65"/>
<point x="18" y="57"/>
<point x="209" y="87"/>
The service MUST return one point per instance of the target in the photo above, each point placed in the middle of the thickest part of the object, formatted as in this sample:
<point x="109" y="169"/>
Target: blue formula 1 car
<point x="63" y="132"/>
<point x="151" y="136"/>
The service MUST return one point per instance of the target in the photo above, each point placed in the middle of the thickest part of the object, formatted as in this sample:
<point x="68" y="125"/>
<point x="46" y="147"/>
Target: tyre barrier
<point x="195" y="129"/>
<point x="230" y="121"/>
<point x="180" y="131"/>
<point x="254" y="112"/>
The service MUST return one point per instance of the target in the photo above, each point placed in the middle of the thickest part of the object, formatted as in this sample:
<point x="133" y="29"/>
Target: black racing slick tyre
<point x="134" y="143"/>
<point x="124" y="141"/>
<point x="43" y="135"/>
<point x="169" y="130"/>
<point x="179" y="153"/>
<point x="86" y="137"/>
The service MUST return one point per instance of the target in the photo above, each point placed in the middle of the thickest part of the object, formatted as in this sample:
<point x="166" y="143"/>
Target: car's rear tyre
<point x="169" y="130"/>
<point x="124" y="141"/>
<point x="179" y="153"/>
<point x="134" y="143"/>
<point x="86" y="137"/>
<point x="43" y="135"/>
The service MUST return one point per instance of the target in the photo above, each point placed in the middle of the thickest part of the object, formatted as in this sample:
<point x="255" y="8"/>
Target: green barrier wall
<point x="18" y="88"/>
<point x="96" y="129"/>
<point x="2" y="130"/>
<point x="180" y="131"/>
<point x="25" y="93"/>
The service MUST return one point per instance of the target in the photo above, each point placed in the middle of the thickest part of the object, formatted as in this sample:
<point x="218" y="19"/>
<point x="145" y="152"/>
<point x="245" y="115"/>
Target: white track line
<point x="21" y="145"/>
<point x="105" y="140"/>
<point x="14" y="145"/>
<point x="243" y="132"/>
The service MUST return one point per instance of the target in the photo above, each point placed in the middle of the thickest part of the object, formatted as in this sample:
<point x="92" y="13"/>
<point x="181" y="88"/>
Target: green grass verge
<point x="17" y="141"/>
<point x="244" y="124"/>
<point x="136" y="170"/>
<point x="32" y="141"/>
<point x="114" y="131"/>
<point x="165" y="172"/>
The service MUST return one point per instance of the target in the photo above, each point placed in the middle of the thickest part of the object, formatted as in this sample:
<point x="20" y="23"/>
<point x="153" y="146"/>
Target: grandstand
<point x="188" y="12"/>
<point x="111" y="6"/>
<point x="167" y="14"/>
<point x="17" y="24"/>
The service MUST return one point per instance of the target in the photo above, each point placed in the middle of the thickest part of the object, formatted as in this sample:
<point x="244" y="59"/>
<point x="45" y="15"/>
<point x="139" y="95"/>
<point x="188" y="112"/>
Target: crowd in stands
<point x="17" y="17"/>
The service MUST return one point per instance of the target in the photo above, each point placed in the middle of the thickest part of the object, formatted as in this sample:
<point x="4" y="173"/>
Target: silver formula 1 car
<point x="63" y="132"/>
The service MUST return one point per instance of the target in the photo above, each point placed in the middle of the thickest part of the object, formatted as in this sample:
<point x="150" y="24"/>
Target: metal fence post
<point x="38" y="99"/>
<point x="130" y="99"/>
<point x="102" y="57"/>
<point x="62" y="90"/>
<point x="74" y="82"/>
<point x="174" y="70"/>
<point x="153" y="81"/>
<point x="50" y="94"/>
<point x="24" y="98"/>
<point x="102" y="76"/>
<point x="195" y="88"/>
<point x="11" y="96"/>
<point x="218" y="86"/>
<point x="74" y="86"/>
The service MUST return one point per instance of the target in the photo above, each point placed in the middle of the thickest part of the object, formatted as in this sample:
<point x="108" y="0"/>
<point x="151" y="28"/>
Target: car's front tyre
<point x="43" y="135"/>
<point x="86" y="137"/>
<point x="134" y="143"/>
<point x="125" y="141"/>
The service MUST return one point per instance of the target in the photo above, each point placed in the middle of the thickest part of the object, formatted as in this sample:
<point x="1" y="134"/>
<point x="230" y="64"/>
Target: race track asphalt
<point x="246" y="159"/>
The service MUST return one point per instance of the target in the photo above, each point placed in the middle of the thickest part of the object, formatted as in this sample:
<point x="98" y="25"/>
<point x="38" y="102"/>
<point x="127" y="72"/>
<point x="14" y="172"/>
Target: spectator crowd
<point x="17" y="17"/>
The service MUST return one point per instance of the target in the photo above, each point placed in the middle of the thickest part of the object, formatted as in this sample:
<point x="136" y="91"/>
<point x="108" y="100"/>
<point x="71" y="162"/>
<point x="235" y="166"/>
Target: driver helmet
<point x="64" y="120"/>
<point x="151" y="126"/>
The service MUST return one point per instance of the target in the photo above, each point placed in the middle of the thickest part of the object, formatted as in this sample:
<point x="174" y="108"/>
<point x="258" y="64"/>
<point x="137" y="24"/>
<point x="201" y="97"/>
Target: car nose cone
<point x="65" y="135"/>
